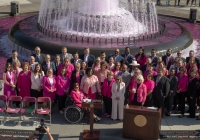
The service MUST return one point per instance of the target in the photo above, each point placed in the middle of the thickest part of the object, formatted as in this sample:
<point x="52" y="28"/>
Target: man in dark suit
<point x="173" y="87"/>
<point x="65" y="55"/>
<point x="127" y="55"/>
<point x="76" y="59"/>
<point x="179" y="56"/>
<point x="168" y="59"/>
<point x="48" y="64"/>
<point x="160" y="90"/>
<point x="117" y="57"/>
<point x="40" y="58"/>
<point x="153" y="57"/>
<point x="126" y="77"/>
<point x="87" y="57"/>
<point x="191" y="55"/>
<point x="57" y="63"/>
<point x="103" y="56"/>
<point x="14" y="57"/>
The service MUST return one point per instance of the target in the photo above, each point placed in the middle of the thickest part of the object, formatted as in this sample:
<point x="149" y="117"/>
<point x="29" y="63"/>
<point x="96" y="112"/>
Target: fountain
<point x="99" y="18"/>
<point x="101" y="25"/>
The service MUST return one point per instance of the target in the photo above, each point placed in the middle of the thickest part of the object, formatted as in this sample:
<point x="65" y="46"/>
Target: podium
<point x="141" y="123"/>
<point x="92" y="134"/>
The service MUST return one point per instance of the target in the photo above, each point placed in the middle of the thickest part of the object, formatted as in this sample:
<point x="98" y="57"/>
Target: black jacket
<point x="173" y="84"/>
<point x="45" y="67"/>
<point x="10" y="60"/>
<point x="73" y="78"/>
<point x="192" y="88"/>
<point x="164" y="58"/>
<point x="162" y="88"/>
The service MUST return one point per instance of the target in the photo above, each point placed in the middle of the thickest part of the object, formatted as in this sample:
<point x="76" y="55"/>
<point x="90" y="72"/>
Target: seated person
<point x="77" y="95"/>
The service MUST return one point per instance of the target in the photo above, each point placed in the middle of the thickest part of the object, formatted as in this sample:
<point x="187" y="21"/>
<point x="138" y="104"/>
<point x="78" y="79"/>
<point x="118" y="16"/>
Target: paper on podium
<point x="153" y="108"/>
<point x="87" y="100"/>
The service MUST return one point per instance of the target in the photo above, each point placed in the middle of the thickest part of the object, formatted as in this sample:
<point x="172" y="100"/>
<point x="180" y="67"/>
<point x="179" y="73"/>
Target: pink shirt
<point x="142" y="60"/>
<point x="102" y="75"/>
<point x="63" y="83"/>
<point x="149" y="85"/>
<point x="96" y="68"/>
<point x="106" y="89"/>
<point x="69" y="69"/>
<point x="152" y="72"/>
<point x="87" y="82"/>
<point x="182" y="82"/>
<point x="78" y="77"/>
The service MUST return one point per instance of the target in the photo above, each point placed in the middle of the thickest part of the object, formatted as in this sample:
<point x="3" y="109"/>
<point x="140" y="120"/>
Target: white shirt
<point x="36" y="81"/>
<point x="51" y="80"/>
<point x="86" y="58"/>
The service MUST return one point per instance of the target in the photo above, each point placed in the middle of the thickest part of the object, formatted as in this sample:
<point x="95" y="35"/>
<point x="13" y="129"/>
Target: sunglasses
<point x="117" y="79"/>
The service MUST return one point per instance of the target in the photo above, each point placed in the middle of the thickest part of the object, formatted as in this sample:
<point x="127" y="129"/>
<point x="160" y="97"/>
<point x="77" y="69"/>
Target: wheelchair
<point x="72" y="113"/>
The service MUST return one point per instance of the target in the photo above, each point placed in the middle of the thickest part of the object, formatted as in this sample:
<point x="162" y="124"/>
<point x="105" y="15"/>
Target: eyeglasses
<point x="76" y="87"/>
<point x="117" y="79"/>
<point x="116" y="51"/>
<point x="66" y="61"/>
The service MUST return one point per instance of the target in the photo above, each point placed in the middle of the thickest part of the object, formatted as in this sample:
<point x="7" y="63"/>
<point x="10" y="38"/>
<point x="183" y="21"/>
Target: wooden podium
<point x="141" y="123"/>
<point x="91" y="134"/>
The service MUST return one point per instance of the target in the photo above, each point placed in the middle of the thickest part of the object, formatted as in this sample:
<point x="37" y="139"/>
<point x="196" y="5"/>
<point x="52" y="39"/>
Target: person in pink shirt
<point x="90" y="84"/>
<point x="150" y="70"/>
<point x="191" y="66"/>
<point x="68" y="66"/>
<point x="107" y="94"/>
<point x="102" y="72"/>
<point x="137" y="72"/>
<point x="63" y="85"/>
<point x="24" y="82"/>
<point x="161" y="65"/>
<point x="83" y="66"/>
<point x="9" y="81"/>
<point x="117" y="69"/>
<point x="182" y="89"/>
<point x="97" y="65"/>
<point x="139" y="91"/>
<point x="111" y="64"/>
<point x="150" y="84"/>
<point x="77" y="95"/>
<point x="141" y="57"/>
<point x="16" y="69"/>
<point x="49" y="85"/>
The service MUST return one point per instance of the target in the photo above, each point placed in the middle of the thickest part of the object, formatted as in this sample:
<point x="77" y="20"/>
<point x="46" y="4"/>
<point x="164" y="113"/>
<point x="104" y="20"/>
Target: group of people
<point x="119" y="79"/>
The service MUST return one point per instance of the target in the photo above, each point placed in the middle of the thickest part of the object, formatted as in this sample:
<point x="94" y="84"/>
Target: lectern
<point x="141" y="123"/>
<point x="92" y="134"/>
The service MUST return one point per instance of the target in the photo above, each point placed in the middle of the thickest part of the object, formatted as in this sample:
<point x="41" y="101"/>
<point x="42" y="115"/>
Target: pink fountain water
<point x="99" y="18"/>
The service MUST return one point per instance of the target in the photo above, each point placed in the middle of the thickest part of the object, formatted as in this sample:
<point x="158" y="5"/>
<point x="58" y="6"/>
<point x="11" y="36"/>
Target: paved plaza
<point x="110" y="129"/>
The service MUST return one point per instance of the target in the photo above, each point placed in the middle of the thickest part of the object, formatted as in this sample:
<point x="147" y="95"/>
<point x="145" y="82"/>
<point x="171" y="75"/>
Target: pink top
<point x="194" y="67"/>
<point x="182" y="82"/>
<point x="77" y="97"/>
<point x="102" y="75"/>
<point x="142" y="60"/>
<point x="96" y="68"/>
<point x="111" y="67"/>
<point x="149" y="85"/>
<point x="106" y="89"/>
<point x="141" y="92"/>
<point x="78" y="77"/>
<point x="63" y="83"/>
<point x="154" y="73"/>
<point x="24" y="83"/>
<point x="87" y="82"/>
<point x="47" y="86"/>
<point x="69" y="69"/>
<point x="115" y="72"/>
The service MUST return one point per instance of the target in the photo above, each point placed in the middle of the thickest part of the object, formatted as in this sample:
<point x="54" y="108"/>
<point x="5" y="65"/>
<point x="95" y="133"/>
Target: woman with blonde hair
<point x="118" y="91"/>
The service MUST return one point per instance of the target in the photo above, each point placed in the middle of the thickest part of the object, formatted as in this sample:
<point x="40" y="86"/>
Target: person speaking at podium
<point x="139" y="90"/>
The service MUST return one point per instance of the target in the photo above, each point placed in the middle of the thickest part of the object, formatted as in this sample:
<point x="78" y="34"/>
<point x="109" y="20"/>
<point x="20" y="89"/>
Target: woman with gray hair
<point x="139" y="91"/>
<point x="118" y="91"/>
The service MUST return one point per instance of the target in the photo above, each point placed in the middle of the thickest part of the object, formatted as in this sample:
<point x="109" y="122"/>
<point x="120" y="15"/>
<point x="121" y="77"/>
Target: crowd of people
<point x="119" y="79"/>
